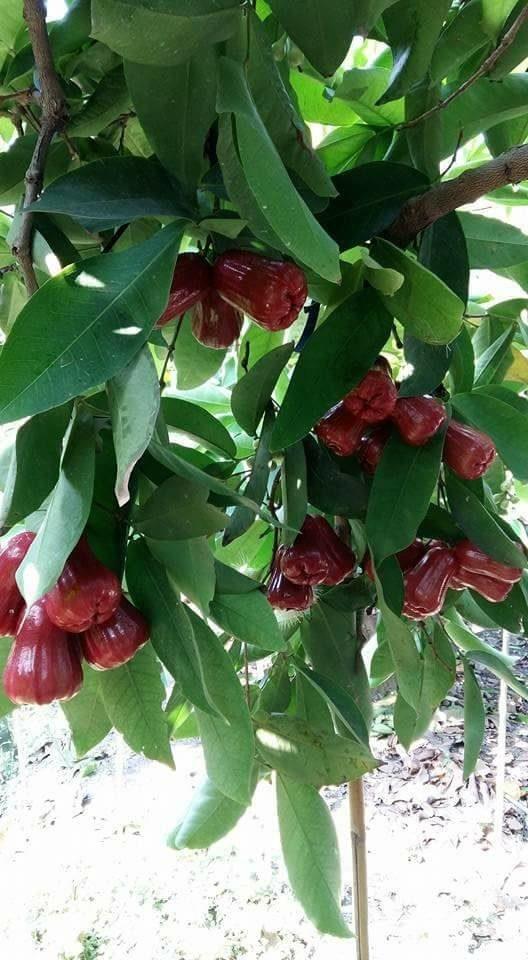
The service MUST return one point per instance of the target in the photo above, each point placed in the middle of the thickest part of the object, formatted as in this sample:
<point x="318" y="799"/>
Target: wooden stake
<point x="500" y="760"/>
<point x="356" y="806"/>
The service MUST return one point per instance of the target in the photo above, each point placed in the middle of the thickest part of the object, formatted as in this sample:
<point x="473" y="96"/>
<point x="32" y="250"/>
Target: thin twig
<point x="114" y="238"/>
<point x="53" y="117"/>
<point x="20" y="96"/>
<point x="170" y="351"/>
<point x="485" y="67"/>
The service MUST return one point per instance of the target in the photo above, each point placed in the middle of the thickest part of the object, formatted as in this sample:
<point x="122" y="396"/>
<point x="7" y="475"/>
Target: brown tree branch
<point x="485" y="67"/>
<point x="53" y="118"/>
<point x="420" y="212"/>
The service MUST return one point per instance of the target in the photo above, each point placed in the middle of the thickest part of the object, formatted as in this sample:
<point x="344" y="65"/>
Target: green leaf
<point x="134" y="399"/>
<point x="109" y="101"/>
<point x="429" y="366"/>
<point x="493" y="244"/>
<point x="462" y="367"/>
<point x="187" y="471"/>
<point x="401" y="492"/>
<point x="494" y="15"/>
<point x="369" y="199"/>
<point x="490" y="658"/>
<point x="209" y="817"/>
<point x="343" y="147"/>
<point x="186" y="93"/>
<point x="507" y="426"/>
<point x="190" y="564"/>
<point x="171" y="632"/>
<point x="71" y="499"/>
<point x="329" y="639"/>
<point x="339" y="701"/>
<point x="461" y="38"/>
<point x="16" y="159"/>
<point x="113" y="191"/>
<point x="443" y="251"/>
<point x="333" y="361"/>
<point x="167" y="32"/>
<point x="34" y="466"/>
<point x="491" y="363"/>
<point x="66" y="36"/>
<point x="366" y="13"/>
<point x="438" y="676"/>
<point x="178" y="510"/>
<point x="87" y="718"/>
<point x="250" y="396"/>
<point x="474" y="720"/>
<point x="480" y="525"/>
<point x="404" y="652"/>
<point x="249" y="617"/>
<point x="242" y="517"/>
<point x="197" y="423"/>
<point x="323" y="29"/>
<point x="294" y="495"/>
<point x="195" y="364"/>
<point x="311" y="756"/>
<point x="330" y="489"/>
<point x="285" y="211"/>
<point x="132" y="696"/>
<point x="98" y="315"/>
<point x="483" y="104"/>
<point x="12" y="23"/>
<point x="311" y="855"/>
<point x="413" y="27"/>
<point x="424" y="304"/>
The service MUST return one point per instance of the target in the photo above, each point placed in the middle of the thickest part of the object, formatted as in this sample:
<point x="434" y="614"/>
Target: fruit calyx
<point x="86" y="593"/>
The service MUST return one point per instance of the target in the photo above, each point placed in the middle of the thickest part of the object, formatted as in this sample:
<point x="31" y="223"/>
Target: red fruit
<point x="216" y="323"/>
<point x="472" y="558"/>
<point x="44" y="663"/>
<point x="406" y="558"/>
<point x="283" y="594"/>
<point x="372" y="446"/>
<point x="427" y="582"/>
<point x="418" y="419"/>
<point x="317" y="556"/>
<point x="85" y="594"/>
<point x="340" y="431"/>
<point x="467" y="451"/>
<point x="115" y="642"/>
<point x="271" y="292"/>
<point x="11" y="600"/>
<point x="191" y="280"/>
<point x="374" y="398"/>
<point x="488" y="587"/>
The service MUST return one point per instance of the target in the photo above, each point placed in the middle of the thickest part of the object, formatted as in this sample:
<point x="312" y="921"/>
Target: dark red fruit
<point x="317" y="556"/>
<point x="372" y="446"/>
<point x="418" y="419"/>
<point x="374" y="398"/>
<point x="85" y="594"/>
<point x="116" y="641"/>
<point x="406" y="558"/>
<point x="44" y="663"/>
<point x="340" y="431"/>
<point x="191" y="280"/>
<point x="426" y="583"/>
<point x="472" y="558"/>
<point x="11" y="600"/>
<point x="283" y="594"/>
<point x="488" y="587"/>
<point x="467" y="451"/>
<point x="271" y="292"/>
<point x="216" y="323"/>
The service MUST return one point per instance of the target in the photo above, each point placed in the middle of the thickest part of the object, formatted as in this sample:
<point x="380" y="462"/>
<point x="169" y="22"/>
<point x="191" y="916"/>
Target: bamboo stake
<point x="500" y="760"/>
<point x="356" y="806"/>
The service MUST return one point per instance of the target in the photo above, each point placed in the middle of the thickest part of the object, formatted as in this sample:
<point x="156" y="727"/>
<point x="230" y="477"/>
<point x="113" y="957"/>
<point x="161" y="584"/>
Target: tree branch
<point x="53" y="118"/>
<point x="420" y="212"/>
<point x="485" y="67"/>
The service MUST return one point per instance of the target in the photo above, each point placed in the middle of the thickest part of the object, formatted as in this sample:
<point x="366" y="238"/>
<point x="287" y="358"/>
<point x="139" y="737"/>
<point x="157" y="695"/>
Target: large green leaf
<point x="493" y="244"/>
<point x="178" y="510"/>
<point x="208" y="818"/>
<point x="400" y="637"/>
<point x="195" y="364"/>
<point x="186" y="93"/>
<point x="339" y="700"/>
<point x="461" y="38"/>
<point x="294" y="491"/>
<point x="109" y="101"/>
<point x="188" y="471"/>
<point x="98" y="314"/>
<point x="190" y="565"/>
<point x="249" y="617"/>
<point x="483" y="104"/>
<point x="197" y="423"/>
<point x="474" y="720"/>
<point x="113" y="191"/>
<point x="12" y="22"/>
<point x="66" y="35"/>
<point x="15" y="161"/>
<point x="250" y="396"/>
<point x="66" y="514"/>
<point x="285" y="210"/>
<point x="480" y="525"/>
<point x="401" y="492"/>
<point x="132" y="696"/>
<point x="87" y="718"/>
<point x="424" y="304"/>
<point x="506" y="425"/>
<point x="333" y="361"/>
<point x="134" y="399"/>
<point x="443" y="250"/>
<point x="413" y="27"/>
<point x="480" y="652"/>
<point x="366" y="13"/>
<point x="323" y="29"/>
<point x="164" y="32"/>
<point x="438" y="676"/>
<point x="311" y="855"/>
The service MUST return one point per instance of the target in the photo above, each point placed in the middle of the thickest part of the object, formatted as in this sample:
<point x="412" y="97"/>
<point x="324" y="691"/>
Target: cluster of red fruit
<point x="271" y="292"/>
<point x="84" y="615"/>
<point x="431" y="568"/>
<point x="361" y="424"/>
<point x="317" y="557"/>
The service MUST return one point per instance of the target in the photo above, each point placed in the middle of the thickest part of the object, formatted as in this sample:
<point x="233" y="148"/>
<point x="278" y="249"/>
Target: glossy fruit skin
<point x="44" y="663"/>
<point x="493" y="590"/>
<point x="406" y="558"/>
<point x="110" y="644"/>
<point x="374" y="398"/>
<point x="216" y="323"/>
<point x="340" y="430"/>
<point x="271" y="292"/>
<point x="11" y="600"/>
<point x="468" y="452"/>
<point x="426" y="583"/>
<point x="317" y="555"/>
<point x="371" y="448"/>
<point x="417" y="419"/>
<point x="191" y="280"/>
<point x="283" y="594"/>
<point x="86" y="593"/>
<point x="473" y="559"/>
